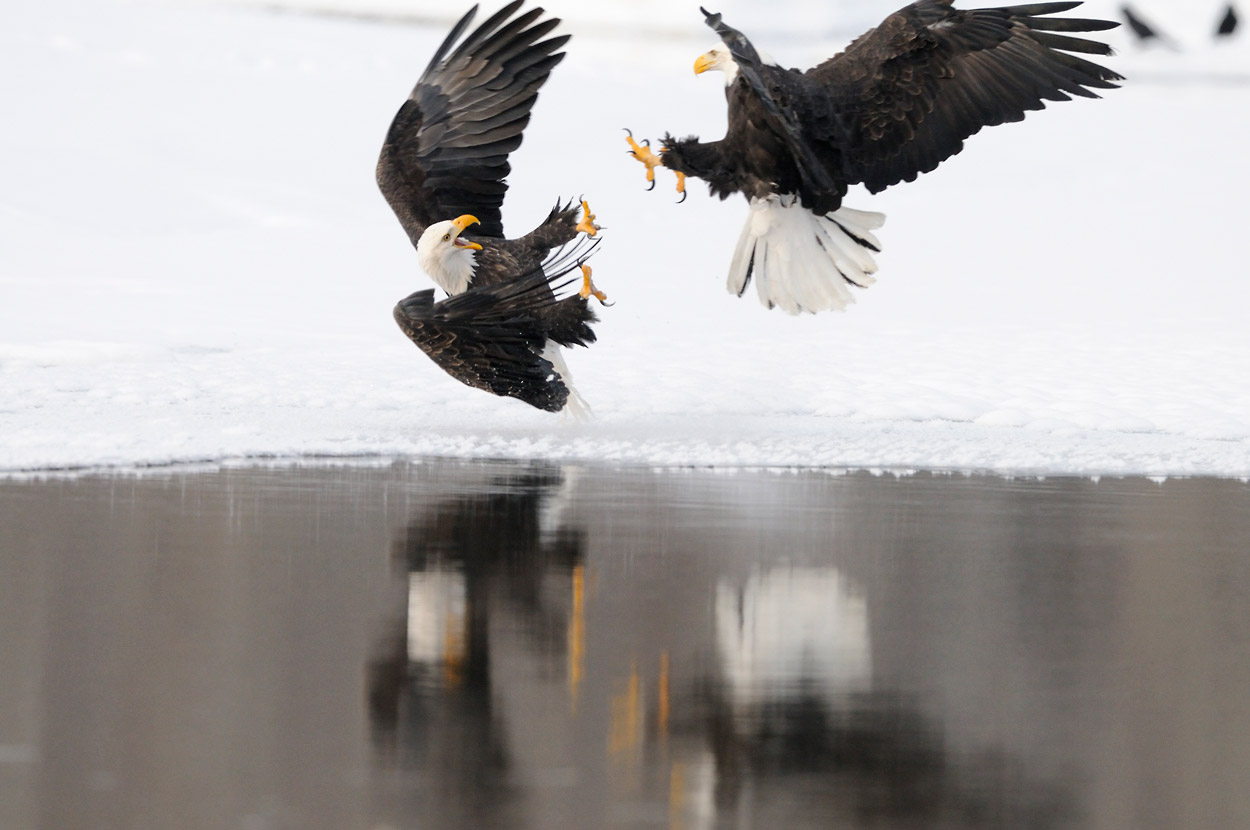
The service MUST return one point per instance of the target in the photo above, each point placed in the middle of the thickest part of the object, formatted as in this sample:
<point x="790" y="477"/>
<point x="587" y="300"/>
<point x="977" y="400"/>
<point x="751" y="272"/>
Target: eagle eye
<point x="446" y="237"/>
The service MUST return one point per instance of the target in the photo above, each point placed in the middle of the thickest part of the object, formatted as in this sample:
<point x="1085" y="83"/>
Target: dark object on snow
<point x="1229" y="24"/>
<point x="1144" y="31"/>
<point x="442" y="170"/>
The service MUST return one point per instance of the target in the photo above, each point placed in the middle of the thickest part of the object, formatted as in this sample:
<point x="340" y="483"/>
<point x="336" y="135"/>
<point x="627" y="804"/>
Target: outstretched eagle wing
<point x="446" y="153"/>
<point x="903" y="97"/>
<point x="491" y="337"/>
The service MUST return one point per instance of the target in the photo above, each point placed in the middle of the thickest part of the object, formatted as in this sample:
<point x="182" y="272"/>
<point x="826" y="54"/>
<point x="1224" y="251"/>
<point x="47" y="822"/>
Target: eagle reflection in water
<point x="460" y="557"/>
<point x="495" y="699"/>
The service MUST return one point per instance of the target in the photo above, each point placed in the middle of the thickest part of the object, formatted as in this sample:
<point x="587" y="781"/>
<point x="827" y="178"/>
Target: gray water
<point x="456" y="645"/>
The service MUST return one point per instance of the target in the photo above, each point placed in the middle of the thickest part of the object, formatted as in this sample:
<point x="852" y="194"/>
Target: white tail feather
<point x="576" y="406"/>
<point x="801" y="261"/>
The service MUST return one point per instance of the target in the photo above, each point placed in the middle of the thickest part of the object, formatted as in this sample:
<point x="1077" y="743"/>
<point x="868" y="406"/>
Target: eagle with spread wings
<point x="442" y="169"/>
<point x="900" y="100"/>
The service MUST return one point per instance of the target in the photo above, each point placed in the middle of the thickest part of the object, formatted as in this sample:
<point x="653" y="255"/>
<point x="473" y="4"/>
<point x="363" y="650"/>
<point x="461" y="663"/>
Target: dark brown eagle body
<point x="748" y="160"/>
<point x="896" y="103"/>
<point x="446" y="155"/>
<point x="492" y="337"/>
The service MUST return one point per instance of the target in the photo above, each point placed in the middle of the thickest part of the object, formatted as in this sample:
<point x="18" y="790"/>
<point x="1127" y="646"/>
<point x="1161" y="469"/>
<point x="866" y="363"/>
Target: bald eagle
<point x="900" y="100"/>
<point x="442" y="170"/>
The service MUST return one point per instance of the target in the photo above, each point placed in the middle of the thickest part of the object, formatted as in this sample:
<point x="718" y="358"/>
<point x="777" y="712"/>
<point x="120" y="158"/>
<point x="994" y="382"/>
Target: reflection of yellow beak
<point x="703" y="63"/>
<point x="460" y="223"/>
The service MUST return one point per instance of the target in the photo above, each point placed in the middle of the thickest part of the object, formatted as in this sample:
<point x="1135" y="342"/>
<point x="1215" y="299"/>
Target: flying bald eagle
<point x="900" y="100"/>
<point x="442" y="171"/>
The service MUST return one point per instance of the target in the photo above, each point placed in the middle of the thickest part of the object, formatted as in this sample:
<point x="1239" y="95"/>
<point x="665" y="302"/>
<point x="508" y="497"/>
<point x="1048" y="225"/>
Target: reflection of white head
<point x="437" y="611"/>
<point x="793" y="631"/>
<point x="720" y="60"/>
<point x="448" y="259"/>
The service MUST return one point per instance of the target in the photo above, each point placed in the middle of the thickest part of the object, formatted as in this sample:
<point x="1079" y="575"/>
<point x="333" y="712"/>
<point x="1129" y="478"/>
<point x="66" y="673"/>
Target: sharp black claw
<point x="652" y="187"/>
<point x="630" y="153"/>
<point x="646" y="142"/>
<point x="606" y="304"/>
<point x="683" y="197"/>
<point x="629" y="131"/>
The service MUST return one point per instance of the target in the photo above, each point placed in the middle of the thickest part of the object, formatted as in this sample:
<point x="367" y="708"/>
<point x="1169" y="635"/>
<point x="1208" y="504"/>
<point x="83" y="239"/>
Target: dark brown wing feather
<point x="903" y="97"/>
<point x="446" y="153"/>
<point x="491" y="337"/>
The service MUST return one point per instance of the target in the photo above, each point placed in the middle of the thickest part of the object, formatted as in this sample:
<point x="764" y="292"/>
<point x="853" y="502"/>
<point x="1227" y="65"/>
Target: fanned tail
<point x="802" y="262"/>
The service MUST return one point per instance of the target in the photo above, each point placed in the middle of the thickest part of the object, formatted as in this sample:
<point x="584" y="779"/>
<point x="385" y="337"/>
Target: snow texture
<point x="197" y="264"/>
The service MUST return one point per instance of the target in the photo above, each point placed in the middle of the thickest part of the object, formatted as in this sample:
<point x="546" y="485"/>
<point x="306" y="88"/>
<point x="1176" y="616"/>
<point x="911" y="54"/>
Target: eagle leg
<point x="587" y="224"/>
<point x="588" y="288"/>
<point x="642" y="152"/>
<point x="681" y="186"/>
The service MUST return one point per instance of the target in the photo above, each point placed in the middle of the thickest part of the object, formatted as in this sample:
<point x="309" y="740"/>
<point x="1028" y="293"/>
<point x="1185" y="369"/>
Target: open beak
<point x="703" y="63"/>
<point x="460" y="223"/>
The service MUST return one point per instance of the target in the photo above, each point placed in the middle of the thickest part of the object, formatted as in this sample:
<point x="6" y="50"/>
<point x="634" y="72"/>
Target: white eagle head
<point x="718" y="59"/>
<point x="448" y="259"/>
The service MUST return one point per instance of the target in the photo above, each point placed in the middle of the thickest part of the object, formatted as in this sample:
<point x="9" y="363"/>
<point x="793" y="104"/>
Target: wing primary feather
<point x="1071" y="44"/>
<point x="491" y="47"/>
<point x="510" y="44"/>
<point x="569" y="256"/>
<point x="1070" y="24"/>
<point x="1091" y="74"/>
<point x="481" y="33"/>
<point x="1045" y="70"/>
<point x="1034" y="9"/>
<point x="451" y="38"/>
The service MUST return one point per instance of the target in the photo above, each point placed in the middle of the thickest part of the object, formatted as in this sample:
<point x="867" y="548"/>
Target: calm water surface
<point x="460" y="645"/>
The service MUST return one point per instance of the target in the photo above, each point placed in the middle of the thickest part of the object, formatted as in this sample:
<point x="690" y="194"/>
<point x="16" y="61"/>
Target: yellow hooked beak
<point x="460" y="223"/>
<point x="703" y="63"/>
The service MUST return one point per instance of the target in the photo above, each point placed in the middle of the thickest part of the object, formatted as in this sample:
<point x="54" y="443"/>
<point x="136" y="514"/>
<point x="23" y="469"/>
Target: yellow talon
<point x="643" y="154"/>
<point x="587" y="223"/>
<point x="588" y="287"/>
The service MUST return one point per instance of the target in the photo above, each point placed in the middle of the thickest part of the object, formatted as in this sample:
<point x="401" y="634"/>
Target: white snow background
<point x="195" y="263"/>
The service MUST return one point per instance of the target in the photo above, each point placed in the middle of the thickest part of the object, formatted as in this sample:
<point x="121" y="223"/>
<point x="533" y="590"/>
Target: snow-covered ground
<point x="197" y="265"/>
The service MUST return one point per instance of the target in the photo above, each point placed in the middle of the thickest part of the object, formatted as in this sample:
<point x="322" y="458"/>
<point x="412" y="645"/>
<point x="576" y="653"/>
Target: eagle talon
<point x="681" y="186"/>
<point x="587" y="224"/>
<point x="589" y="290"/>
<point x="642" y="152"/>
